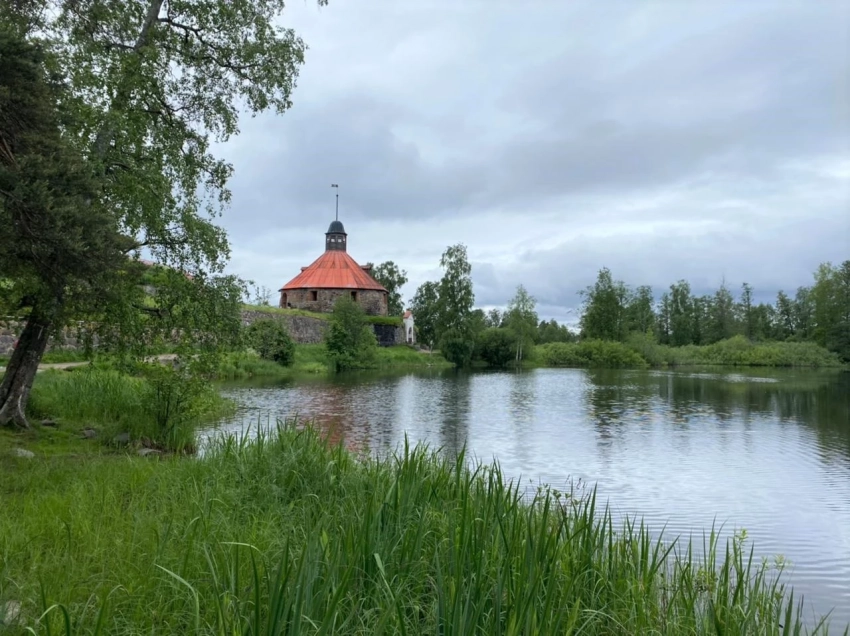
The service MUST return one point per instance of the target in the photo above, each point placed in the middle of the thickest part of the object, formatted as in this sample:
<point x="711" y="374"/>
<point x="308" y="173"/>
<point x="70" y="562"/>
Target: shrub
<point x="496" y="347"/>
<point x="350" y="340"/>
<point x="457" y="348"/>
<point x="271" y="341"/>
<point x="161" y="404"/>
<point x="589" y="353"/>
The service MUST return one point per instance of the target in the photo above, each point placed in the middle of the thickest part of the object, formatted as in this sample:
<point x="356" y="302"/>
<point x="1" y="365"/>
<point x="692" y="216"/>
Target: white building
<point x="409" y="331"/>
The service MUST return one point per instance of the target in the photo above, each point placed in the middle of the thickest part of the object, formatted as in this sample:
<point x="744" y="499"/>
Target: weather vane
<point x="335" y="185"/>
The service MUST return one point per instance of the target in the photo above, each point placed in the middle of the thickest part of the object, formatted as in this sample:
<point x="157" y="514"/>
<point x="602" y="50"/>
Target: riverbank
<point x="288" y="531"/>
<point x="642" y="352"/>
<point x="313" y="359"/>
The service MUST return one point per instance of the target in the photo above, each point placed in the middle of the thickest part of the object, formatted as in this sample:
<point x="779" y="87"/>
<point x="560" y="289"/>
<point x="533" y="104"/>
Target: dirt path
<point x="71" y="365"/>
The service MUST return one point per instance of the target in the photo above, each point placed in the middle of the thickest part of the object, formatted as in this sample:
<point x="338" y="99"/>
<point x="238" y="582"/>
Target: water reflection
<point x="767" y="450"/>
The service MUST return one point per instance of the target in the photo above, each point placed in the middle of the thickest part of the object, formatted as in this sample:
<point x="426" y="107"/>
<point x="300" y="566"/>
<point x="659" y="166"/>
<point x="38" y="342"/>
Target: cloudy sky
<point x="664" y="140"/>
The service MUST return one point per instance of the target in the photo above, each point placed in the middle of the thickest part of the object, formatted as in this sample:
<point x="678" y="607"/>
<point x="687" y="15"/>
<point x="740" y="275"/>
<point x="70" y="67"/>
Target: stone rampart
<point x="302" y="329"/>
<point x="71" y="338"/>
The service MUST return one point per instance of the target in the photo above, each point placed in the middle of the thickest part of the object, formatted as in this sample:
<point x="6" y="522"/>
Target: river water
<point x="764" y="451"/>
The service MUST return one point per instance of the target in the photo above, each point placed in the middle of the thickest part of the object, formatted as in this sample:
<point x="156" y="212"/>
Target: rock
<point x="50" y="423"/>
<point x="22" y="452"/>
<point x="89" y="433"/>
<point x="121" y="438"/>
<point x="144" y="452"/>
<point x="10" y="612"/>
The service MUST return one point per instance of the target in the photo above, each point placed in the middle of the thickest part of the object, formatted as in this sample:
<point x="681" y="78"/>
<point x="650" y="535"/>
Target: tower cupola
<point x="335" y="237"/>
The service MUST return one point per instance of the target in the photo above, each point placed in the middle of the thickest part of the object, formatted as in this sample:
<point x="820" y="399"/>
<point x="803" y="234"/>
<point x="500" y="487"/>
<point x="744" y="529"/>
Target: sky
<point x="704" y="141"/>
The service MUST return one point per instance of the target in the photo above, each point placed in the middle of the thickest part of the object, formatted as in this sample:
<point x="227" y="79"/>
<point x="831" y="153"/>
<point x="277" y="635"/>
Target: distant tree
<point x="604" y="308"/>
<point x="270" y="339"/>
<point x="456" y="298"/>
<point x="496" y="346"/>
<point x="393" y="279"/>
<point x="551" y="331"/>
<point x="425" y="308"/>
<point x="748" y="319"/>
<point x="831" y="301"/>
<point x="640" y="316"/>
<point x="350" y="339"/>
<point x="664" y="309"/>
<point x="494" y="318"/>
<point x="804" y="314"/>
<point x="522" y="318"/>
<point x="784" y="325"/>
<point x="477" y="322"/>
<point x="700" y="311"/>
<point x="260" y="295"/>
<point x="721" y="316"/>
<point x="681" y="314"/>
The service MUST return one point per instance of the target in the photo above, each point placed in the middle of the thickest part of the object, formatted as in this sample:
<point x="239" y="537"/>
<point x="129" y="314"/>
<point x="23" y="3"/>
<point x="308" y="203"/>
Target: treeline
<point x="447" y="319"/>
<point x="679" y="328"/>
<point x="819" y="313"/>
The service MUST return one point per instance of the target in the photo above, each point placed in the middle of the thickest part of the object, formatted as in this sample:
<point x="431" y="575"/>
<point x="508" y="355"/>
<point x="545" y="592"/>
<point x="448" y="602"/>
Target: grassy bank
<point x="158" y="408"/>
<point x="286" y="535"/>
<point x="640" y="351"/>
<point x="313" y="359"/>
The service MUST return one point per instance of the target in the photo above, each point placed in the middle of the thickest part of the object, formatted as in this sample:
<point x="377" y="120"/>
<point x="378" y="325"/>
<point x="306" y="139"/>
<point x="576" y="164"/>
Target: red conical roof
<point x="334" y="269"/>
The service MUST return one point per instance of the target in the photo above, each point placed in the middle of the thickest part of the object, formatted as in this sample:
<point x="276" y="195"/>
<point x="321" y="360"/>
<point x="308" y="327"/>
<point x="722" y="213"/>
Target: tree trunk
<point x="17" y="382"/>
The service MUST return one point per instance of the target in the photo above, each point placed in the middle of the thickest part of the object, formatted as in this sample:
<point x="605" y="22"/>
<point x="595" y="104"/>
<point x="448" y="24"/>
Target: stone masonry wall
<point x="302" y="329"/>
<point x="374" y="302"/>
<point x="10" y="330"/>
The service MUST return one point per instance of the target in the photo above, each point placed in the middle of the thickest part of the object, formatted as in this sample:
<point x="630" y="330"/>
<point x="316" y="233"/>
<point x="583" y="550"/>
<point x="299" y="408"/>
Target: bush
<point x="457" y="348"/>
<point x="735" y="351"/>
<point x="589" y="353"/>
<point x="161" y="404"/>
<point x="271" y="341"/>
<point x="350" y="340"/>
<point x="496" y="347"/>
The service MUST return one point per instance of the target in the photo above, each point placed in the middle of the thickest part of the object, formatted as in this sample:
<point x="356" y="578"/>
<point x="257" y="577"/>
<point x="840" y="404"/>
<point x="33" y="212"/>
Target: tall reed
<point x="286" y="534"/>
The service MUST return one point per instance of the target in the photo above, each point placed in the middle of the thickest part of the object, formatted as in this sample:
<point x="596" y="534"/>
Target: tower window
<point x="354" y="296"/>
<point x="314" y="295"/>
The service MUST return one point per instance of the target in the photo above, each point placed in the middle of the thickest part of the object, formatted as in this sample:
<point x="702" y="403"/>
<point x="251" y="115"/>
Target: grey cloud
<point x="701" y="121"/>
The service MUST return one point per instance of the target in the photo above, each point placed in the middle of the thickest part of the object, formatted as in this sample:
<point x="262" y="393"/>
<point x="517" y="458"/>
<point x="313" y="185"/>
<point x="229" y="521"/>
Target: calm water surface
<point x="765" y="451"/>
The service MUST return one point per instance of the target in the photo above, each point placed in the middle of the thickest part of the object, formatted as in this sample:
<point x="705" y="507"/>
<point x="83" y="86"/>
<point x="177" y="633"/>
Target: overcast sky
<point x="664" y="140"/>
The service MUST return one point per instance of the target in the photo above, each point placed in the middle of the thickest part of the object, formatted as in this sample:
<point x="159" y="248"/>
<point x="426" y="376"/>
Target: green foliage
<point x="589" y="353"/>
<point x="161" y="404"/>
<point x="604" y="311"/>
<point x="455" y="296"/>
<point x="496" y="347"/>
<point x="145" y="93"/>
<point x="457" y="347"/>
<point x="393" y="279"/>
<point x="521" y="318"/>
<point x="244" y="365"/>
<point x="271" y="341"/>
<point x="288" y="534"/>
<point x="350" y="341"/>
<point x="390" y="321"/>
<point x="425" y="307"/>
<point x="734" y="351"/>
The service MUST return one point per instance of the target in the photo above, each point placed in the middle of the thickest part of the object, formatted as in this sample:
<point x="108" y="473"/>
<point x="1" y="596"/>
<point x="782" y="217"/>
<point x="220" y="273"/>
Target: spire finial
<point x="334" y="185"/>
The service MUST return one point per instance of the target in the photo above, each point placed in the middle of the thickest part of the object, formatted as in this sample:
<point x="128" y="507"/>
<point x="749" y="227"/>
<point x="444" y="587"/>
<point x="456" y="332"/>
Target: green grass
<point x="640" y="351"/>
<point x="587" y="353"/>
<point x="736" y="351"/>
<point x="288" y="535"/>
<point x="159" y="407"/>
<point x="268" y="309"/>
<point x="313" y="359"/>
